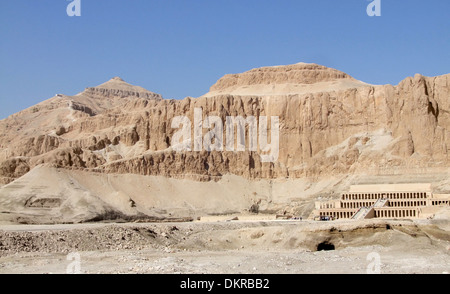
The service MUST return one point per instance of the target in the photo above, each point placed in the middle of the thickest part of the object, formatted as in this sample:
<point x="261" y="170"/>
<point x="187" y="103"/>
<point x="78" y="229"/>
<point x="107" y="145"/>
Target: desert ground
<point x="220" y="245"/>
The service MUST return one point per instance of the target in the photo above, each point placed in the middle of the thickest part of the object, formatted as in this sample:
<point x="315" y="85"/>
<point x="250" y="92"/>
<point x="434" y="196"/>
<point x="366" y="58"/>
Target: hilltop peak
<point x="117" y="87"/>
<point x="284" y="79"/>
<point x="117" y="79"/>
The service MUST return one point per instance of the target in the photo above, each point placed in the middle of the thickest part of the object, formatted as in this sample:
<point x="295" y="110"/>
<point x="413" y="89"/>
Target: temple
<point x="401" y="201"/>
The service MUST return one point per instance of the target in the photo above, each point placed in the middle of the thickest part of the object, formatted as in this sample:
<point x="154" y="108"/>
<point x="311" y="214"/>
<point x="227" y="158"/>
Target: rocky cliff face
<point x="338" y="126"/>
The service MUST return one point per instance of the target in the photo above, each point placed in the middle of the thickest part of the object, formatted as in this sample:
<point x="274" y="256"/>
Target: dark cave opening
<point x="325" y="246"/>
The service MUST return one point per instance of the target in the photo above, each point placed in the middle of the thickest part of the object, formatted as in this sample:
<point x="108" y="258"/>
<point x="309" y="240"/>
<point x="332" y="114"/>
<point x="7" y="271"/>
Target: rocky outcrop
<point x="73" y="158"/>
<point x="12" y="169"/>
<point x="200" y="166"/>
<point x="39" y="145"/>
<point x="76" y="106"/>
<point x="347" y="128"/>
<point x="118" y="88"/>
<point x="112" y="93"/>
<point x="301" y="73"/>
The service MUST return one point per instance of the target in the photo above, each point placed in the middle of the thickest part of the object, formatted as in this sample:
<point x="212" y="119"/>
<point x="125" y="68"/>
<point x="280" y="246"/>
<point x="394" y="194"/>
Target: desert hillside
<point x="108" y="150"/>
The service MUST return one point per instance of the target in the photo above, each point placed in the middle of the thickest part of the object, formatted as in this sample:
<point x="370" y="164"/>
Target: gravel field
<point x="228" y="247"/>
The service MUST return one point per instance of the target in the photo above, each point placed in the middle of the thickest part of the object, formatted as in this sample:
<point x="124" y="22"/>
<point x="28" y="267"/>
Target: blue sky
<point x="180" y="48"/>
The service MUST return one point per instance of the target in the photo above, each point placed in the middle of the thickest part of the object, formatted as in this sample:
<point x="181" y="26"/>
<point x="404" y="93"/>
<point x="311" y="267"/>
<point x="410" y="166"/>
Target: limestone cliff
<point x="330" y="124"/>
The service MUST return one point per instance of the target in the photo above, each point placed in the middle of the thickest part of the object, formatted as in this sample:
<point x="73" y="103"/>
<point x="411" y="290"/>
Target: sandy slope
<point x="50" y="195"/>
